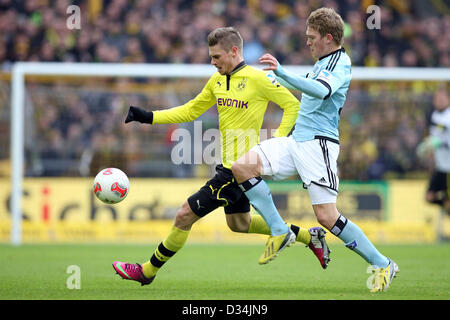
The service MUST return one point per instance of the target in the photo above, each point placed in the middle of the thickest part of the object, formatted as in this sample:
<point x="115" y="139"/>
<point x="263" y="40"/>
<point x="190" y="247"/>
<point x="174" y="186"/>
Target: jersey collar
<point x="238" y="67"/>
<point x="340" y="49"/>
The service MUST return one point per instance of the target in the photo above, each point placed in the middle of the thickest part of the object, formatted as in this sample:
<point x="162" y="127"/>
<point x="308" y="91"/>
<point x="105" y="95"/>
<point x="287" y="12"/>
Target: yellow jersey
<point x="241" y="99"/>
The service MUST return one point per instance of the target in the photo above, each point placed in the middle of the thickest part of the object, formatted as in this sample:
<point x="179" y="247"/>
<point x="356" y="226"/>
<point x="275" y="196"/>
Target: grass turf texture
<point x="219" y="272"/>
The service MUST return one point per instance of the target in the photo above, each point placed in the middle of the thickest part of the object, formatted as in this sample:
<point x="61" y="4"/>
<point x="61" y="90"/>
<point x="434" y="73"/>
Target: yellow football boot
<point x="275" y="244"/>
<point x="383" y="277"/>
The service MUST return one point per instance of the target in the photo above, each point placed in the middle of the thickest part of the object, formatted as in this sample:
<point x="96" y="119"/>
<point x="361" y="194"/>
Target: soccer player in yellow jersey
<point x="241" y="94"/>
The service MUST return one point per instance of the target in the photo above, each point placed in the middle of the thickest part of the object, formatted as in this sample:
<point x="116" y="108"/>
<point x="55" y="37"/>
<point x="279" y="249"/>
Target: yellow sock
<point x="303" y="234"/>
<point x="166" y="249"/>
<point x="258" y="225"/>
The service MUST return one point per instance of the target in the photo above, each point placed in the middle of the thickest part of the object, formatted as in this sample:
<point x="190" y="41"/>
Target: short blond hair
<point x="327" y="21"/>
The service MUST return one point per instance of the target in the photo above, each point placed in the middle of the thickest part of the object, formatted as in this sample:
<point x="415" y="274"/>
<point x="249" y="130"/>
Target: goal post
<point x="21" y="69"/>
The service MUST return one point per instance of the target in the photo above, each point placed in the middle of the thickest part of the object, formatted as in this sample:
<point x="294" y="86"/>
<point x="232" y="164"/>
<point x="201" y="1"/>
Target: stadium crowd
<point x="382" y="123"/>
<point x="412" y="33"/>
<point x="78" y="129"/>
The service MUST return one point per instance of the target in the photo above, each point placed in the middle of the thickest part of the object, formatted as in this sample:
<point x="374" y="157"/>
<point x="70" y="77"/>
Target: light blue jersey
<point x="324" y="93"/>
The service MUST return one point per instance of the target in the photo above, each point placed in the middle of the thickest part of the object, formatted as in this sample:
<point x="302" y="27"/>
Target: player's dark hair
<point x="226" y="37"/>
<point x="327" y="21"/>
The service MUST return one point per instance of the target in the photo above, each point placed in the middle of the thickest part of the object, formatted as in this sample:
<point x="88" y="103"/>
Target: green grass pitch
<point x="219" y="272"/>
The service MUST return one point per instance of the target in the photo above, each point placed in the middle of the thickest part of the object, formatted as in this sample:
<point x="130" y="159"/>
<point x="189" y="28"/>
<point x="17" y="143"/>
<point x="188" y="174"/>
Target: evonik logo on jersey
<point x="228" y="102"/>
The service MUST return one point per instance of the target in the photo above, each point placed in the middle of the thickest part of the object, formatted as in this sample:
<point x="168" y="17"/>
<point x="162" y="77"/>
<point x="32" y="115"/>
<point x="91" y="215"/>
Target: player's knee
<point x="324" y="217"/>
<point x="238" y="169"/>
<point x="185" y="217"/>
<point x="246" y="167"/>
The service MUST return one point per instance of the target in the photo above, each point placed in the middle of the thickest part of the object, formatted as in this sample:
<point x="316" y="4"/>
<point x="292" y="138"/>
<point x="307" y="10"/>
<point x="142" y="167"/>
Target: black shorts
<point x="221" y="191"/>
<point x="440" y="181"/>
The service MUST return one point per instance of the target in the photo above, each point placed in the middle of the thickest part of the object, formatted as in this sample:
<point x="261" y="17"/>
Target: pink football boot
<point x="131" y="271"/>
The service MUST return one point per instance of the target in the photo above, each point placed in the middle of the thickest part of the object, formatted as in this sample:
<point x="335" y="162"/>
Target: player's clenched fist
<point x="270" y="62"/>
<point x="140" y="115"/>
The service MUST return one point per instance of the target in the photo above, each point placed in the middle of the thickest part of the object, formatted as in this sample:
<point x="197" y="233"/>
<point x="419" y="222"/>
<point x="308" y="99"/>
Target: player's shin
<point x="166" y="250"/>
<point x="355" y="239"/>
<point x="258" y="193"/>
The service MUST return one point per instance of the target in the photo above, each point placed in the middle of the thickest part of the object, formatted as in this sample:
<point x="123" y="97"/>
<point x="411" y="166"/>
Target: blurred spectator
<point x="411" y="33"/>
<point x="381" y="123"/>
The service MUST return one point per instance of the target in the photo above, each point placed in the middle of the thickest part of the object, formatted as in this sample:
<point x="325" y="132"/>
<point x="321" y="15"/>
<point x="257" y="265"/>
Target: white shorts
<point x="315" y="161"/>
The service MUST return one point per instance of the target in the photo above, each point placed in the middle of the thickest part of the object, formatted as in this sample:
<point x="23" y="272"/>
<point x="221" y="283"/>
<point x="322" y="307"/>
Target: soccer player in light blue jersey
<point x="313" y="148"/>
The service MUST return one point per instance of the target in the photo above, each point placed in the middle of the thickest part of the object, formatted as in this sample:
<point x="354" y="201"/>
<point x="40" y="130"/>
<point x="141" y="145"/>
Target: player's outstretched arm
<point x="312" y="87"/>
<point x="139" y="115"/>
<point x="184" y="113"/>
<point x="309" y="86"/>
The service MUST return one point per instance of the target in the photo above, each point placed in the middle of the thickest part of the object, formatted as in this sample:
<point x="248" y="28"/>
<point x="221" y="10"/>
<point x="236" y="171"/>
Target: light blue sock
<point x="355" y="239"/>
<point x="261" y="199"/>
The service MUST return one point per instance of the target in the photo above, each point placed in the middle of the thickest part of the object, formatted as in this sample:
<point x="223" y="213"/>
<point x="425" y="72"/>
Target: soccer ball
<point x="111" y="185"/>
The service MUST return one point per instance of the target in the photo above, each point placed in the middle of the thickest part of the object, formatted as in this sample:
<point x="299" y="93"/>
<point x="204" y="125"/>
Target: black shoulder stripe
<point x="329" y="61"/>
<point x="335" y="59"/>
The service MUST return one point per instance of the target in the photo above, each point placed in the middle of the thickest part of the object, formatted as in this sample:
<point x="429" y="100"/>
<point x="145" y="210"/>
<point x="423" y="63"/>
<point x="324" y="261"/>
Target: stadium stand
<point x="381" y="125"/>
